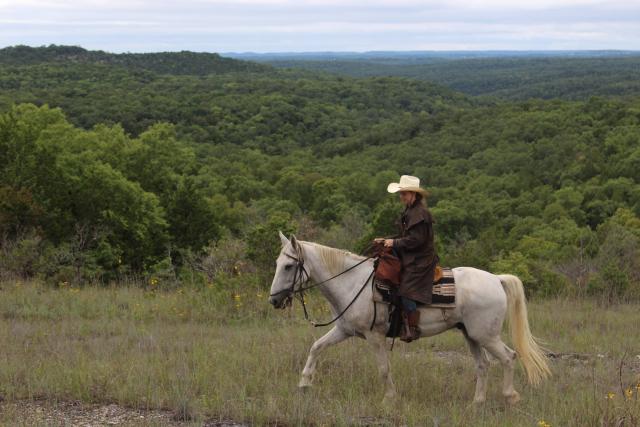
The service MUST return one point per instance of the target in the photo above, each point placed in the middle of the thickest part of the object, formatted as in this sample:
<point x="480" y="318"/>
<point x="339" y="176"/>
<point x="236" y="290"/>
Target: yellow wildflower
<point x="611" y="395"/>
<point x="629" y="393"/>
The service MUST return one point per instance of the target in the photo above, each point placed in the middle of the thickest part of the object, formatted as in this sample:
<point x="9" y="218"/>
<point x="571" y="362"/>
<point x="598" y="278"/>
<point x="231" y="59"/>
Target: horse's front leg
<point x="334" y="336"/>
<point x="379" y="345"/>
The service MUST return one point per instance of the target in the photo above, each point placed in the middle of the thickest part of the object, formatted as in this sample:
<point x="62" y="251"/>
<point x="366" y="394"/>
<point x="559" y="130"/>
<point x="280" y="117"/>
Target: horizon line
<point x="250" y="52"/>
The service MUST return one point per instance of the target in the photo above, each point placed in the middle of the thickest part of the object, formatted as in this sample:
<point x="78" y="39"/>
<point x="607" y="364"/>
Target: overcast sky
<point x="334" y="25"/>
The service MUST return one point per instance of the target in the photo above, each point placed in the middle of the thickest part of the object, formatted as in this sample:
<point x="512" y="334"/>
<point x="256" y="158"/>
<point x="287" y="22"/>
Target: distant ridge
<point x="430" y="54"/>
<point x="515" y="75"/>
<point x="178" y="63"/>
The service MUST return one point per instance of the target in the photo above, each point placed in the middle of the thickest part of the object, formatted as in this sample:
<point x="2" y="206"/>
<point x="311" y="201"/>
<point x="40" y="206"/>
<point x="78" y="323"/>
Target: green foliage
<point x="514" y="263"/>
<point x="383" y="222"/>
<point x="263" y="243"/>
<point x="617" y="262"/>
<point x="143" y="172"/>
<point x="508" y="77"/>
<point x="609" y="283"/>
<point x="163" y="63"/>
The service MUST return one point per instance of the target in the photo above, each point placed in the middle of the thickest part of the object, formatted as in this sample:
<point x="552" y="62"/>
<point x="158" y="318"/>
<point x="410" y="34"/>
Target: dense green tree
<point x="140" y="165"/>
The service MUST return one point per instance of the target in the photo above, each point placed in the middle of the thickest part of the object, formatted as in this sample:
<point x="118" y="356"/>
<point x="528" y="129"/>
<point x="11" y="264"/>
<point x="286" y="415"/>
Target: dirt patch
<point x="630" y="361"/>
<point x="47" y="413"/>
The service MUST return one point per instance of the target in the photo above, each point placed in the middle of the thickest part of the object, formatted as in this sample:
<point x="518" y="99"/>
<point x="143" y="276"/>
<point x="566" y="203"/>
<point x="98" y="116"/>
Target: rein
<point x="301" y="276"/>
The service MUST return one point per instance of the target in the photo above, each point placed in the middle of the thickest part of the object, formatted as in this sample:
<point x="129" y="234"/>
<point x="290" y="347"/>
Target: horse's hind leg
<point x="334" y="336"/>
<point x="507" y="358"/>
<point x="482" y="366"/>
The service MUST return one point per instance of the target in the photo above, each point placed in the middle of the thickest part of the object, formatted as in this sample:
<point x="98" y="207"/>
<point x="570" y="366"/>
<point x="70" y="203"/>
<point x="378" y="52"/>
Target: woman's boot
<point x="410" y="321"/>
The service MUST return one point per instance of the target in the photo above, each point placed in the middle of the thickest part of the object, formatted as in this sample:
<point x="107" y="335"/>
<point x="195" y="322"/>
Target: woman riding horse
<point x="415" y="247"/>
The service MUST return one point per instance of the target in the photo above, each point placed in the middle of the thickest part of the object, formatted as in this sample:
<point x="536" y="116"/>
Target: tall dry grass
<point x="207" y="353"/>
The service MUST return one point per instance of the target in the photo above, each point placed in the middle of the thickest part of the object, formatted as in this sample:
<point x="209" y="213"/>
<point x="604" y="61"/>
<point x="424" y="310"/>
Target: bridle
<point x="301" y="276"/>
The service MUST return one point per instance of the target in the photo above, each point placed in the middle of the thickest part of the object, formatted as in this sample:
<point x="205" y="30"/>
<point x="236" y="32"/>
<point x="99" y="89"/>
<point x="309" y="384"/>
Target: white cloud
<point x="262" y="25"/>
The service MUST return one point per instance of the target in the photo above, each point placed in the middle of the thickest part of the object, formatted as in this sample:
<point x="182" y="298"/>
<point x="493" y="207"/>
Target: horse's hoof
<point x="304" y="387"/>
<point x="390" y="400"/>
<point x="513" y="398"/>
<point x="305" y="381"/>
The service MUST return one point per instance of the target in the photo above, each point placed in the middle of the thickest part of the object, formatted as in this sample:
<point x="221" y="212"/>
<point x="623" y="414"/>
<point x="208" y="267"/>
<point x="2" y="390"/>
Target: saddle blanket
<point x="443" y="294"/>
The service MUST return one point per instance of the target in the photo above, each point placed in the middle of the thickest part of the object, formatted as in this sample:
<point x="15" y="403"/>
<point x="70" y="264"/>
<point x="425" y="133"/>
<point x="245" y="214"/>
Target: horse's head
<point x="290" y="272"/>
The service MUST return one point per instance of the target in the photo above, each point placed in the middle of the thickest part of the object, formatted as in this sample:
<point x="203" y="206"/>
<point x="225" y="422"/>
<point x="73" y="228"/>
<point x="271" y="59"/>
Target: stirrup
<point x="413" y="335"/>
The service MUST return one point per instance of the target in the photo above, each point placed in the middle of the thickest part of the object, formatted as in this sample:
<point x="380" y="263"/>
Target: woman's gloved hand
<point x="388" y="243"/>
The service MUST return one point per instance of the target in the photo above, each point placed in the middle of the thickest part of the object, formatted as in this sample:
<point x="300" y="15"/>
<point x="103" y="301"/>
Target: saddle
<point x="387" y="279"/>
<point x="388" y="268"/>
<point x="443" y="294"/>
<point x="388" y="272"/>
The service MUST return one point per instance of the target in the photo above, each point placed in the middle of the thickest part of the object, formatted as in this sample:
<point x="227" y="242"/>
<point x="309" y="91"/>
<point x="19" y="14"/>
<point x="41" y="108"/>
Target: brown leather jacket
<point x="416" y="248"/>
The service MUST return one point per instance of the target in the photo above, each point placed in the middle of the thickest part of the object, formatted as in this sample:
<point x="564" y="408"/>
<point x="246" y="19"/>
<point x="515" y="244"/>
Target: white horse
<point x="482" y="301"/>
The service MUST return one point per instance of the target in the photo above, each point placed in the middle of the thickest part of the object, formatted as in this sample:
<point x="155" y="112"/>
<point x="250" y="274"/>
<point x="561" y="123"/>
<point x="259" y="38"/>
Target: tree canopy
<point x="109" y="169"/>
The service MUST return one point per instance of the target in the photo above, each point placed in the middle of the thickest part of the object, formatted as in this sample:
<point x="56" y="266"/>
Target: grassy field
<point x="208" y="354"/>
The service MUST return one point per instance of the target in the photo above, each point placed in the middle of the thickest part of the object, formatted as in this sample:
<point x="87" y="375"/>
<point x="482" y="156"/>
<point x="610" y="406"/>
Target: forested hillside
<point x="508" y="77"/>
<point x="111" y="170"/>
<point x="162" y="62"/>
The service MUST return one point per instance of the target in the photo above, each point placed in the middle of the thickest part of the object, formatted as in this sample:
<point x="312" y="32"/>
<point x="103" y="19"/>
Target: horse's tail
<point x="530" y="352"/>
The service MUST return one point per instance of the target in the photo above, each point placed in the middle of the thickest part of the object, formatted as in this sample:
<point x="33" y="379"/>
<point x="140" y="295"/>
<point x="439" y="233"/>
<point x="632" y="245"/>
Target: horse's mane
<point x="333" y="258"/>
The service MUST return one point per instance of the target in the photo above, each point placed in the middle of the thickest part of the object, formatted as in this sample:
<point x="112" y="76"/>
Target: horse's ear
<point x="294" y="241"/>
<point x="283" y="238"/>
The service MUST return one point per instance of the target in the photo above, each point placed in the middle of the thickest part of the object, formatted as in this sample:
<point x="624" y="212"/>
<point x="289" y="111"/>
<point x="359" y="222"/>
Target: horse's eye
<point x="288" y="266"/>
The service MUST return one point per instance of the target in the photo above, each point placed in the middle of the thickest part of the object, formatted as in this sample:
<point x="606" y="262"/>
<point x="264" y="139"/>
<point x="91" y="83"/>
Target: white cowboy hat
<point x="407" y="183"/>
